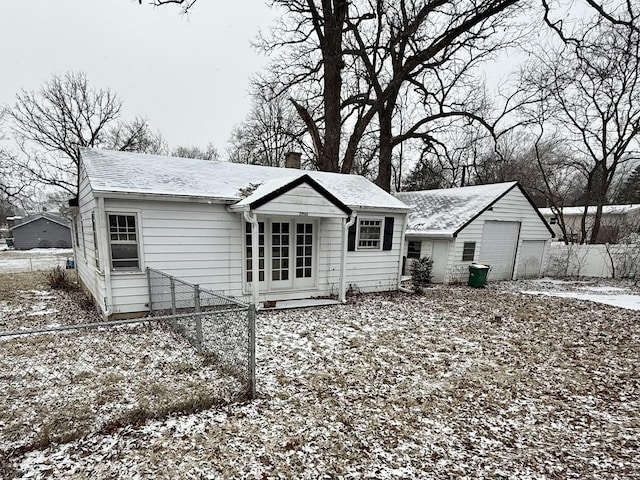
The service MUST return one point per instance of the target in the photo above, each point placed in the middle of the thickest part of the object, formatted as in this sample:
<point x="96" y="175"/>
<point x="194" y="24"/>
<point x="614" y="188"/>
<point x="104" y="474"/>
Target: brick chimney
<point x="292" y="160"/>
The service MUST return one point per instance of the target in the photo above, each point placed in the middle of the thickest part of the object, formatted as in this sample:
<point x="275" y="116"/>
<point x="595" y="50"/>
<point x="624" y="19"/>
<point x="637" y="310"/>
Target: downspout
<point x="105" y="260"/>
<point x="342" y="295"/>
<point x="402" y="237"/>
<point x="255" y="259"/>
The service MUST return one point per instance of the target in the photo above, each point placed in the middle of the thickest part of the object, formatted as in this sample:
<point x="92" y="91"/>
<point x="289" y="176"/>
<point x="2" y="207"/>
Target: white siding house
<point x="310" y="234"/>
<point x="495" y="224"/>
<point x="618" y="222"/>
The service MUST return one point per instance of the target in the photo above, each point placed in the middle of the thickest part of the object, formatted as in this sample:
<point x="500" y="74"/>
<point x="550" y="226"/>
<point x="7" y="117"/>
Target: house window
<point x="553" y="220"/>
<point x="369" y="234"/>
<point x="413" y="250"/>
<point x="84" y="240"/>
<point x="95" y="239"/>
<point x="468" y="251"/>
<point x="123" y="242"/>
<point x="75" y="231"/>
<point x="249" y="252"/>
<point x="304" y="250"/>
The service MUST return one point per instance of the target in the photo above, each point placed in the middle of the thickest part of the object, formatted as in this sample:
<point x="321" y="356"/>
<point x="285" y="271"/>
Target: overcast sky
<point x="189" y="76"/>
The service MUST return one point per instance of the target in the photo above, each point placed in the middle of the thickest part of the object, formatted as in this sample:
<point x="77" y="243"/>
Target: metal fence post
<point x="251" y="314"/>
<point x="172" y="284"/>
<point x="150" y="291"/>
<point x="196" y="304"/>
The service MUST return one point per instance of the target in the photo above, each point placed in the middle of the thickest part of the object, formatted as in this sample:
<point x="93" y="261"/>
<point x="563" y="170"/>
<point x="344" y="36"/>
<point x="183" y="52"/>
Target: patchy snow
<point x="444" y="211"/>
<point x="631" y="302"/>
<point x="388" y="386"/>
<point x="113" y="171"/>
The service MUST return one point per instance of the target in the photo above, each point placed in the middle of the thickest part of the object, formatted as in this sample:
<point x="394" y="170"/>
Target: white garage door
<point x="498" y="249"/>
<point x="530" y="260"/>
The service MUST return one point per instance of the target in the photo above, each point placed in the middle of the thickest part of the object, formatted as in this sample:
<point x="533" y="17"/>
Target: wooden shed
<point x="43" y="230"/>
<point x="300" y="234"/>
<point x="497" y="225"/>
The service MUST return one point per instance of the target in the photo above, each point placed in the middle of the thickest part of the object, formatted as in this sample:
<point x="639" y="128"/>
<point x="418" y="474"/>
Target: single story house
<point x="43" y="230"/>
<point x="265" y="233"/>
<point x="497" y="225"/>
<point x="617" y="222"/>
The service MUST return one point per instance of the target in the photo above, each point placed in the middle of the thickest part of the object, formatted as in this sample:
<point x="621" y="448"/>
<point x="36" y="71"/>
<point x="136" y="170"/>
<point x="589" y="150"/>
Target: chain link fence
<point x="217" y="325"/>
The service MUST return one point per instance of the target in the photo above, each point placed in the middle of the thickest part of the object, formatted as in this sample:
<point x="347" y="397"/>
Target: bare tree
<point x="590" y="92"/>
<point x="135" y="136"/>
<point x="51" y="125"/>
<point x="272" y="128"/>
<point x="210" y="152"/>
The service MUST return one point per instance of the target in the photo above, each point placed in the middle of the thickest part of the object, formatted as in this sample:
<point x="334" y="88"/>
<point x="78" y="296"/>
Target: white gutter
<point x="255" y="259"/>
<point x="105" y="262"/>
<point x="404" y="228"/>
<point x="342" y="294"/>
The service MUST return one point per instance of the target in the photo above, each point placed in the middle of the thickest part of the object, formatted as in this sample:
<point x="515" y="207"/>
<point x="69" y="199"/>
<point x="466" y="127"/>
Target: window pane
<point x="468" y="251"/>
<point x="413" y="250"/>
<point x="121" y="251"/>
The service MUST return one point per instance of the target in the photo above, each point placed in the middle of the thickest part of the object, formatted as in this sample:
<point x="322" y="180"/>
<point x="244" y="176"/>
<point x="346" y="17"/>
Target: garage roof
<point x="445" y="212"/>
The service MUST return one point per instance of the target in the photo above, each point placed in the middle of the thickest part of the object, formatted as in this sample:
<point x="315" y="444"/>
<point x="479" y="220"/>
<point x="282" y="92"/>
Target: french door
<point x="288" y="259"/>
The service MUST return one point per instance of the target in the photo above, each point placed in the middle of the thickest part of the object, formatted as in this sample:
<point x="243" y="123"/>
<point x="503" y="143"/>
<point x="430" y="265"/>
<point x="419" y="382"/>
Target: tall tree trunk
<point x="334" y="12"/>
<point x="385" y="119"/>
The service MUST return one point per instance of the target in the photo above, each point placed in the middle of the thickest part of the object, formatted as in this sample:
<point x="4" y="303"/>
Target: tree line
<point x="394" y="90"/>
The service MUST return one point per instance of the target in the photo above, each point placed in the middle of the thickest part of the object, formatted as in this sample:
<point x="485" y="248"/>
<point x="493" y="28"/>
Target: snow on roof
<point x="607" y="209"/>
<point x="445" y="211"/>
<point x="126" y="172"/>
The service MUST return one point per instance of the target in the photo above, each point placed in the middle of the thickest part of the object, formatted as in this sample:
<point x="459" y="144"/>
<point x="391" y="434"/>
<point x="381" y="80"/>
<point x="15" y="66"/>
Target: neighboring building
<point x="496" y="225"/>
<point x="212" y="224"/>
<point x="43" y="230"/>
<point x="617" y="222"/>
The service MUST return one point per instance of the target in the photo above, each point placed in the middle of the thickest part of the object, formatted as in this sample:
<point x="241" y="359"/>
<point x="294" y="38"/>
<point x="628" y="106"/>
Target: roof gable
<point x="276" y="189"/>
<point x="58" y="220"/>
<point x="445" y="212"/>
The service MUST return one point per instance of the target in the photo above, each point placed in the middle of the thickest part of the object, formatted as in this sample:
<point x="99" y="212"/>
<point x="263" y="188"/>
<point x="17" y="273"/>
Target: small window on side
<point x="468" y="251"/>
<point x="123" y="242"/>
<point x="369" y="234"/>
<point x="553" y="220"/>
<point x="413" y="250"/>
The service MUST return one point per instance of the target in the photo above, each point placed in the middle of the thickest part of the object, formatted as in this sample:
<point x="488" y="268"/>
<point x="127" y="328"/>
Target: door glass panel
<point x="304" y="250"/>
<point x="279" y="251"/>
<point x="249" y="252"/>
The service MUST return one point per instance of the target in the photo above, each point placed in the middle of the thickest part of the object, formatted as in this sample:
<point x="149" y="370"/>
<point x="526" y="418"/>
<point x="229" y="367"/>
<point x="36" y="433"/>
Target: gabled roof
<point x="272" y="189"/>
<point x="112" y="172"/>
<point x="607" y="209"/>
<point x="445" y="212"/>
<point x="52" y="218"/>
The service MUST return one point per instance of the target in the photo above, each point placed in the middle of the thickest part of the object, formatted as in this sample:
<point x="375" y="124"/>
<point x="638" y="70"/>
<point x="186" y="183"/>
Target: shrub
<point x="421" y="273"/>
<point x="58" y="279"/>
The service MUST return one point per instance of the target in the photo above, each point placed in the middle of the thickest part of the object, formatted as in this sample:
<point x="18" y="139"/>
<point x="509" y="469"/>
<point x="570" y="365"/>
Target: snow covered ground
<point x="625" y="296"/>
<point x="12" y="261"/>
<point x="388" y="386"/>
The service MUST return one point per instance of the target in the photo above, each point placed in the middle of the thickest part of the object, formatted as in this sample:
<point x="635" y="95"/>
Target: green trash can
<point x="9" y="242"/>
<point x="478" y="275"/>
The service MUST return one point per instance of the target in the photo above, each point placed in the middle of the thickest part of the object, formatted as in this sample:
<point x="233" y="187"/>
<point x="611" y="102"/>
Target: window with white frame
<point x="95" y="240"/>
<point x="369" y="233"/>
<point x="76" y="227"/>
<point x="468" y="251"/>
<point x="84" y="240"/>
<point x="123" y="241"/>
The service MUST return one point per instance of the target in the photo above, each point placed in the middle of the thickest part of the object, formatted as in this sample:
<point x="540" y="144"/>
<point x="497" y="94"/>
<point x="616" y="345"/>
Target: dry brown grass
<point x="406" y="386"/>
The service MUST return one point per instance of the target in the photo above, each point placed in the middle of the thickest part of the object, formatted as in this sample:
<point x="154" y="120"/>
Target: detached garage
<point x="497" y="225"/>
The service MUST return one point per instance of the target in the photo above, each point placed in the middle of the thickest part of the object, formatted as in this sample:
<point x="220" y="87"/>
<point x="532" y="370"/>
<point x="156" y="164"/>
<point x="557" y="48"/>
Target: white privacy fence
<point x="606" y="261"/>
